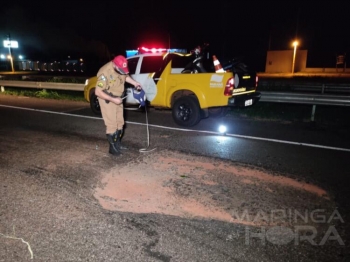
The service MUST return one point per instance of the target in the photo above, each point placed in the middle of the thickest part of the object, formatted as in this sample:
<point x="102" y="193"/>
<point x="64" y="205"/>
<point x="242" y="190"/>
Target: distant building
<point x="282" y="61"/>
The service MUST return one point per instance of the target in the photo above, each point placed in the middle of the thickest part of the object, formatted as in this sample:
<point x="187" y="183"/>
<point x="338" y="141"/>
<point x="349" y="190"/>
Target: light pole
<point x="9" y="57"/>
<point x="10" y="44"/>
<point x="10" y="53"/>
<point x="295" y="44"/>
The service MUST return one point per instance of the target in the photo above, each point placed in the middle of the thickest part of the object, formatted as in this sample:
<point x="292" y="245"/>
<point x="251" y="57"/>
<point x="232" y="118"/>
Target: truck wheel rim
<point x="184" y="112"/>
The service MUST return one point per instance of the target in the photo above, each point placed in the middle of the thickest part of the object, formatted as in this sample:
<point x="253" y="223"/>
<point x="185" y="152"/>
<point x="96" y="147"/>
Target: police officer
<point x="110" y="87"/>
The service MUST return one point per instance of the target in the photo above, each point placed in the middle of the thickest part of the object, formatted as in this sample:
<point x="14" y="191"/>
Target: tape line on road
<point x="190" y="130"/>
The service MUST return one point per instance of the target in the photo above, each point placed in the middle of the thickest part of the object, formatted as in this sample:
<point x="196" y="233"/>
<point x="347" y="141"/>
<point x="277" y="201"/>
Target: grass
<point x="41" y="78"/>
<point x="330" y="115"/>
<point x="274" y="111"/>
<point x="50" y="94"/>
<point x="58" y="79"/>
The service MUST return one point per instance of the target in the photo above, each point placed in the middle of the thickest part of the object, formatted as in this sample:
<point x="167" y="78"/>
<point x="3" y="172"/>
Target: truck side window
<point x="132" y="64"/>
<point x="151" y="64"/>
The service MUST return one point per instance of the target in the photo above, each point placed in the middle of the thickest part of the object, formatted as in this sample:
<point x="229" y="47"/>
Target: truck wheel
<point x="95" y="104"/>
<point x="219" y="111"/>
<point x="186" y="111"/>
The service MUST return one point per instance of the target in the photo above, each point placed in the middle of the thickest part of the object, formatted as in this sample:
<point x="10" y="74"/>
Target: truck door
<point x="133" y="70"/>
<point x="149" y="65"/>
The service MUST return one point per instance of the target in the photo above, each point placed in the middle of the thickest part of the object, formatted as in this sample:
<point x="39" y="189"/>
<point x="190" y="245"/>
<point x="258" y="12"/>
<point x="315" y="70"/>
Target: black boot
<point x="113" y="149"/>
<point x="119" y="135"/>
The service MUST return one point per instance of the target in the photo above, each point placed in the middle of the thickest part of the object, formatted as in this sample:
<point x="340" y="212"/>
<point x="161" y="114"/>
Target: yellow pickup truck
<point x="190" y="96"/>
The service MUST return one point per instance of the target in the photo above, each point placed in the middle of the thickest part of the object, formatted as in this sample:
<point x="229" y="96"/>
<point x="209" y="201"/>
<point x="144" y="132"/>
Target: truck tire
<point x="186" y="111"/>
<point x="219" y="111"/>
<point x="94" y="103"/>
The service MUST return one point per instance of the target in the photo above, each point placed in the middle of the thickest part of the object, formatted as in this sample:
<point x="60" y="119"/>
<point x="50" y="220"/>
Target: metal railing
<point x="331" y="88"/>
<point x="42" y="85"/>
<point x="305" y="98"/>
<point x="322" y="88"/>
<point x="266" y="96"/>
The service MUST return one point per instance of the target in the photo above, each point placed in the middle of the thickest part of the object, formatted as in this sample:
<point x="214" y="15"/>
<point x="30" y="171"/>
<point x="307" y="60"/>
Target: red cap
<point x="121" y="63"/>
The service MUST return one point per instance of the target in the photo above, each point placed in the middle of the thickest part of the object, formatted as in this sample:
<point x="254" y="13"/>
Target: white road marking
<point x="190" y="130"/>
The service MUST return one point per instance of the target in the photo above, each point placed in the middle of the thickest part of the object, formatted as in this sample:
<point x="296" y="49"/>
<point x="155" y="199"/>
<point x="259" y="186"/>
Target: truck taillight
<point x="256" y="81"/>
<point x="229" y="87"/>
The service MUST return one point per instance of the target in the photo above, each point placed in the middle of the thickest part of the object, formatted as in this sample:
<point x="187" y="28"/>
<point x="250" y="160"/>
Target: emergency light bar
<point x="145" y="50"/>
<point x="153" y="50"/>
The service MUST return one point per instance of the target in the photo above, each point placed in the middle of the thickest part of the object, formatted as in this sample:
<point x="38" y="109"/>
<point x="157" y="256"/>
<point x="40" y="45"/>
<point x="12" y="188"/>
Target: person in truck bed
<point x="109" y="88"/>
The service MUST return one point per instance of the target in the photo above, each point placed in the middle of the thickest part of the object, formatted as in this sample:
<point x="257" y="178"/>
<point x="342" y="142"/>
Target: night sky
<point x="244" y="29"/>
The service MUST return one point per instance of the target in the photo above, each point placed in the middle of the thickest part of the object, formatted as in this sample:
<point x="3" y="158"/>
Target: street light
<point x="295" y="44"/>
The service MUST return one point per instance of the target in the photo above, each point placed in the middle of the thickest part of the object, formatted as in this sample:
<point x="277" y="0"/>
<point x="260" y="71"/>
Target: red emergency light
<point x="153" y="50"/>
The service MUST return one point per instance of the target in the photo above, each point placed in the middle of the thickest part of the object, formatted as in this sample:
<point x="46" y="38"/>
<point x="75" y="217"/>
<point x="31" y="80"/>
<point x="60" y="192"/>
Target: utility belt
<point x="111" y="95"/>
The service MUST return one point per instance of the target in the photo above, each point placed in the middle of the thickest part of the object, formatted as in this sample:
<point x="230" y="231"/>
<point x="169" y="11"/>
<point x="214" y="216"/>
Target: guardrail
<point x="341" y="88"/>
<point x="43" y="85"/>
<point x="321" y="88"/>
<point x="266" y="96"/>
<point x="302" y="98"/>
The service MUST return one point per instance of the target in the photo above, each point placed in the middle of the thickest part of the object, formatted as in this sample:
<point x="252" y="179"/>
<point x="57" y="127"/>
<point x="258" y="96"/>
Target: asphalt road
<point x="54" y="159"/>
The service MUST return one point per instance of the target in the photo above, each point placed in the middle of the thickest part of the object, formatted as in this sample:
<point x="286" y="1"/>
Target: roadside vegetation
<point x="44" y="93"/>
<point x="50" y="94"/>
<point x="292" y="113"/>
